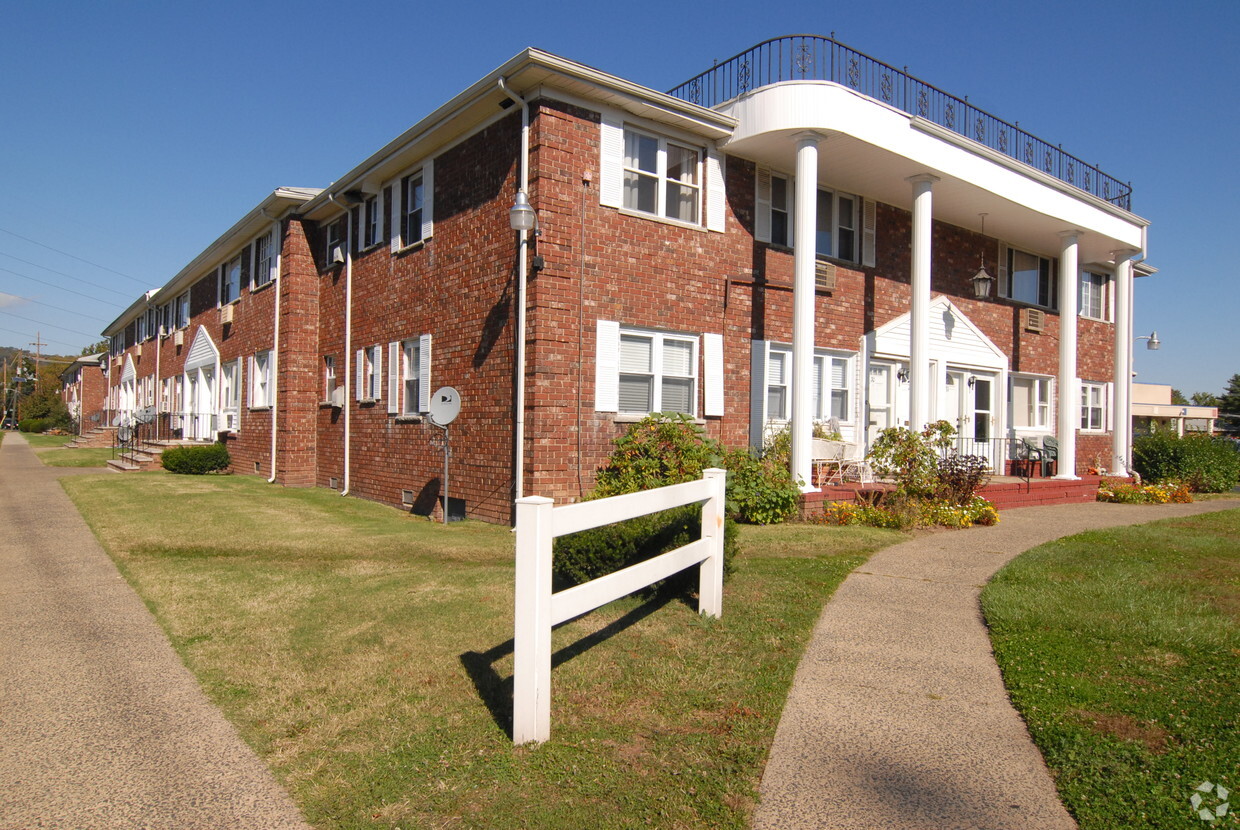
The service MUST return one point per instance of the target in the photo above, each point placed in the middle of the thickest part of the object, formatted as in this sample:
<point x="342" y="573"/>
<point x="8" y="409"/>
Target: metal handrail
<point x="819" y="58"/>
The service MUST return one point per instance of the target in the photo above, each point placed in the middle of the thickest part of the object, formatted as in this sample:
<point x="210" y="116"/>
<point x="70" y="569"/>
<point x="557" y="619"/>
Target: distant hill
<point x="10" y="353"/>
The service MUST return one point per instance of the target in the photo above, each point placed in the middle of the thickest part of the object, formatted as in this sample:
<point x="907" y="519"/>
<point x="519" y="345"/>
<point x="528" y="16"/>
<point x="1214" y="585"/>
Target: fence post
<point x="710" y="572"/>
<point x="531" y="641"/>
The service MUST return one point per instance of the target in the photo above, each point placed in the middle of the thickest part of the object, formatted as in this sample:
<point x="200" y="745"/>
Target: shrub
<point x="760" y="490"/>
<point x="196" y="460"/>
<point x="959" y="477"/>
<point x="658" y="450"/>
<point x="35" y="424"/>
<point x="911" y="458"/>
<point x="1205" y="463"/>
<point x="1121" y="492"/>
<point x="904" y="514"/>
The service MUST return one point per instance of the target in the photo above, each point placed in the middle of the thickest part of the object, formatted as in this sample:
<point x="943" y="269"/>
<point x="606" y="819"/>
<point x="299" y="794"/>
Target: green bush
<point x="911" y="458"/>
<point x="1207" y="464"/>
<point x="196" y="460"/>
<point x="35" y="424"/>
<point x="658" y="450"/>
<point x="760" y="491"/>
<point x="961" y="476"/>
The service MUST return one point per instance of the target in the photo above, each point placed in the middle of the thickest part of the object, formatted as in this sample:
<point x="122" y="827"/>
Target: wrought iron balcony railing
<point x="817" y="58"/>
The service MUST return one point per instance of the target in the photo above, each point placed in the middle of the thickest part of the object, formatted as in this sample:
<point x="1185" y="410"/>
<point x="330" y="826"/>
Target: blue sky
<point x="134" y="133"/>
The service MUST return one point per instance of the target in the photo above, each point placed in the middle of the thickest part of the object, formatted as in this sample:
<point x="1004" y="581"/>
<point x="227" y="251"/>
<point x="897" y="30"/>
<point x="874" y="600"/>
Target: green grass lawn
<point x="51" y="451"/>
<point x="366" y="655"/>
<point x="1121" y="649"/>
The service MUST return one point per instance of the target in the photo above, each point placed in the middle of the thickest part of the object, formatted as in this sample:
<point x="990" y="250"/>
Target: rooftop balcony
<point x="817" y="58"/>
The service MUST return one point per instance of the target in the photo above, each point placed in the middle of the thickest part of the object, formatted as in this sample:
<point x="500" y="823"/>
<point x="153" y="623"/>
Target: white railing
<point x="538" y="609"/>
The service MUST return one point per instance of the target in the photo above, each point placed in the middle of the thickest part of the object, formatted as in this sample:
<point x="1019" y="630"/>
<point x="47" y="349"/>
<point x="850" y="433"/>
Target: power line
<point x="27" y="334"/>
<point x="60" y="274"/>
<point x="112" y="303"/>
<point x="61" y="309"/>
<point x="73" y="256"/>
<point x="52" y="325"/>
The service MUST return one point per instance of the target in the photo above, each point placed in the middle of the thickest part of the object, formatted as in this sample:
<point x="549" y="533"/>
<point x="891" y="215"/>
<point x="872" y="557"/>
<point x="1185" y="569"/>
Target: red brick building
<point x="84" y="390"/>
<point x="783" y="239"/>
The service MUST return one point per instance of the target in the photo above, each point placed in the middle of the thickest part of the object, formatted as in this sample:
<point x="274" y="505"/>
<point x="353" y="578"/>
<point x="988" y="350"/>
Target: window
<point x="658" y="372"/>
<point x="329" y="378"/>
<point x="661" y="177"/>
<point x="372" y="222"/>
<point x="837" y="226"/>
<point x="1093" y="295"/>
<point x="230" y="394"/>
<point x="1030" y="399"/>
<point x="413" y="207"/>
<point x="260" y="380"/>
<point x="832" y="373"/>
<point x="778" y="367"/>
<point x="141" y="328"/>
<point x="230" y="280"/>
<point x="333" y="243"/>
<point x="411" y="374"/>
<point x="781" y="211"/>
<point x="1028" y="278"/>
<point x="1093" y="406"/>
<point x="264" y="260"/>
<point x="182" y="311"/>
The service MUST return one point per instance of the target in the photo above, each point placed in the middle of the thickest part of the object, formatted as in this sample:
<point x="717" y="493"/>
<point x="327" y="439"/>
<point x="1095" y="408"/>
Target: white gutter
<point x="275" y="357"/>
<point x="522" y="267"/>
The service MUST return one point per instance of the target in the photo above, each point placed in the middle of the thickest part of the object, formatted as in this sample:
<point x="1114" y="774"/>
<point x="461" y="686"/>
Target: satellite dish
<point x="119" y="419"/>
<point x="145" y="415"/>
<point x="124" y="433"/>
<point x="445" y="405"/>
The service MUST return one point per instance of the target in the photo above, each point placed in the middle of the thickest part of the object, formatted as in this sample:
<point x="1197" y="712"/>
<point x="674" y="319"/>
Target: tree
<point x="1229" y="407"/>
<point x="1203" y="399"/>
<point x="1177" y="397"/>
<point x="95" y="348"/>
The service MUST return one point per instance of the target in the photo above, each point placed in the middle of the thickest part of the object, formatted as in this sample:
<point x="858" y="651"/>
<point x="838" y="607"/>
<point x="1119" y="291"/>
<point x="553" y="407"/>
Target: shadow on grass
<point x="496" y="691"/>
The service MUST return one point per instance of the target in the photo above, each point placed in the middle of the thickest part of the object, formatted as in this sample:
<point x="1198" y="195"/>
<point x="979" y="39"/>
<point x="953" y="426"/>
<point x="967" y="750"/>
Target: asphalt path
<point x="101" y="726"/>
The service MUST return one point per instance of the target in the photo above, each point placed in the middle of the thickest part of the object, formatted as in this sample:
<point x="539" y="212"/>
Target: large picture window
<point x="1029" y="278"/>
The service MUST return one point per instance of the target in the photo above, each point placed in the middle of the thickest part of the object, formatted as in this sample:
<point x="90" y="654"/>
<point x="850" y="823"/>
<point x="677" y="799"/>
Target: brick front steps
<point x="1004" y="492"/>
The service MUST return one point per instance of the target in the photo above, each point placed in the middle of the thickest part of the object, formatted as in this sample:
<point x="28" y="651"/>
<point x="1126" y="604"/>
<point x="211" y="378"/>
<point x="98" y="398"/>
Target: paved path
<point x="897" y="717"/>
<point x="101" y="726"/>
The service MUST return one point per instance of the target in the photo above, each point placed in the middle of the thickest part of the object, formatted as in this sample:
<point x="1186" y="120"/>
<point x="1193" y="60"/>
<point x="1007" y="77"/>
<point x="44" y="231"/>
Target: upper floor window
<point x="837" y="226"/>
<point x="658" y="372"/>
<point x="333" y="243"/>
<point x="413" y="209"/>
<point x="836" y="222"/>
<point x="1028" y="278"/>
<point x="661" y="177"/>
<point x="372" y="221"/>
<point x="1093" y="297"/>
<point x="230" y="280"/>
<point x="264" y="260"/>
<point x="181" y="320"/>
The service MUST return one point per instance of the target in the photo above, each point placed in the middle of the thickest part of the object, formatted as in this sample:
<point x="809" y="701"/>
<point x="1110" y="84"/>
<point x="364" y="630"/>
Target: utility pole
<point x="38" y="357"/>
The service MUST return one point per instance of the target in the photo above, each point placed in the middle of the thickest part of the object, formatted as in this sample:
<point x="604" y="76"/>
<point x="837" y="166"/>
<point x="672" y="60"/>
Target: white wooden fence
<point x="538" y="609"/>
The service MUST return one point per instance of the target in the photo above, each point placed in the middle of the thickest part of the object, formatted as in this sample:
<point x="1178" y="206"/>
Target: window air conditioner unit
<point x="824" y="276"/>
<point x="1035" y="320"/>
<point x="226" y="314"/>
<point x="338" y="397"/>
<point x="336" y="256"/>
<point x="178" y="337"/>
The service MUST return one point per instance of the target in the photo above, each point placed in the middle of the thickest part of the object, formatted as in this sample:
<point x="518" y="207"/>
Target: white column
<point x="804" y="239"/>
<point x="919" y="315"/>
<point x="1069" y="388"/>
<point x="1121" y="415"/>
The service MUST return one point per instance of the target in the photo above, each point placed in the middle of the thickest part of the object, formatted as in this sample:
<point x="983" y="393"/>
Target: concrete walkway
<point x="897" y="717"/>
<point x="101" y="726"/>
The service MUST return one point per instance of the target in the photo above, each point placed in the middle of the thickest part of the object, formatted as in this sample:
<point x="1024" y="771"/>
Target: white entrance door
<point x="880" y="400"/>
<point x="202" y="403"/>
<point x="968" y="405"/>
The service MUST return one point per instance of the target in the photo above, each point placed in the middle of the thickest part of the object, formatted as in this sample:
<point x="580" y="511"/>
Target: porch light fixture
<point x="1152" y="341"/>
<point x="521" y="216"/>
<point x="903" y="375"/>
<point x="982" y="281"/>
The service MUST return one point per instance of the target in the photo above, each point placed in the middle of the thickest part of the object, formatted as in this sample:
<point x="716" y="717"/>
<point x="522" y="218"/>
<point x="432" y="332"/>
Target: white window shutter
<point x="376" y="370"/>
<point x="712" y="358"/>
<point x="241" y="380"/>
<point x="716" y="194"/>
<point x="249" y="397"/>
<point x="869" y="233"/>
<point x="428" y="199"/>
<point x="757" y="393"/>
<point x="607" y="366"/>
<point x="1005" y="288"/>
<point x="762" y="205"/>
<point x="393" y="378"/>
<point x="360" y="374"/>
<point x="424" y="373"/>
<point x="394" y="202"/>
<point x="611" y="163"/>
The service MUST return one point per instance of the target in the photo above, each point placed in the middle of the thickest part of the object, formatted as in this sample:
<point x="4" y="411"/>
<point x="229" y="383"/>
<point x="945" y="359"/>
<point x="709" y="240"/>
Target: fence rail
<point x="538" y="609"/>
<point x="818" y="58"/>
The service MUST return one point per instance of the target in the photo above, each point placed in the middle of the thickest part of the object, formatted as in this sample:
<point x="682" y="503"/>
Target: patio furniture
<point x="1027" y="453"/>
<point x="1050" y="455"/>
<point x="828" y="461"/>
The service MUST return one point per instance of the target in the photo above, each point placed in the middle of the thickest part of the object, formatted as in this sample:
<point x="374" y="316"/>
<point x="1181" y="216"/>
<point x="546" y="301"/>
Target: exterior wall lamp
<point x="1153" y="343"/>
<point x="903" y="375"/>
<point x="522" y="217"/>
<point x="982" y="281"/>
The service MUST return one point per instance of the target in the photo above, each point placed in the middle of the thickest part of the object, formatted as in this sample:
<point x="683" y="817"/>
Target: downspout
<point x="348" y="334"/>
<point x="522" y="268"/>
<point x="275" y="354"/>
<point x="159" y="347"/>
